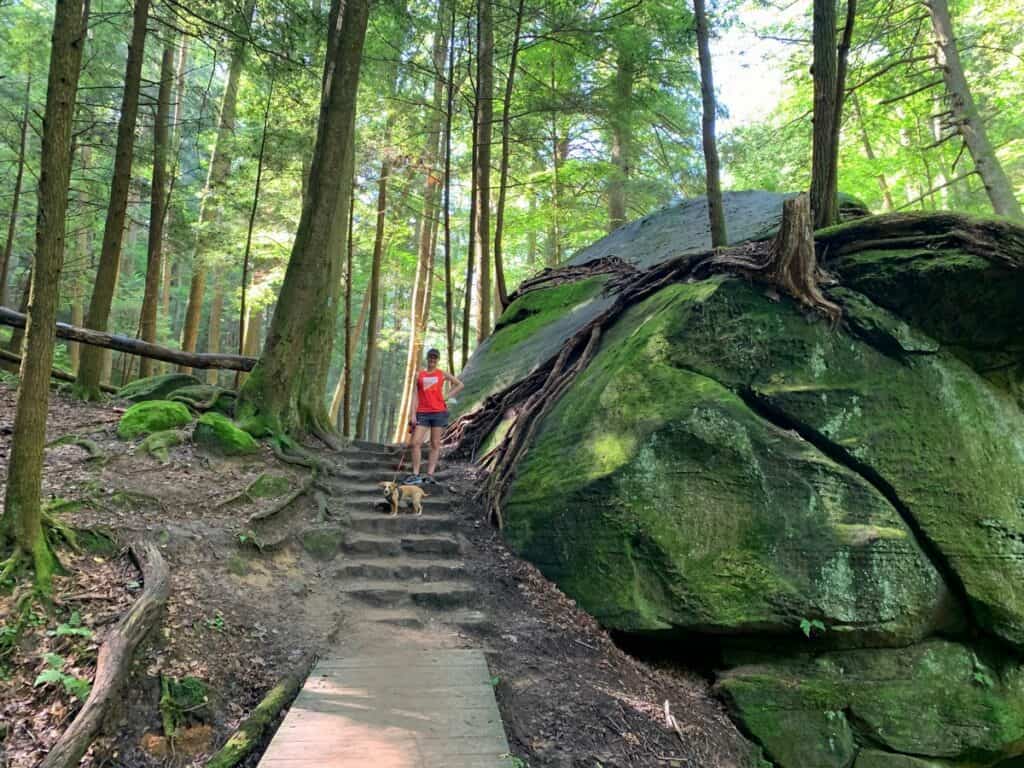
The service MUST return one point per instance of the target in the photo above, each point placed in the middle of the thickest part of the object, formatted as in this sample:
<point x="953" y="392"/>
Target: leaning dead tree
<point x="788" y="263"/>
<point x="136" y="346"/>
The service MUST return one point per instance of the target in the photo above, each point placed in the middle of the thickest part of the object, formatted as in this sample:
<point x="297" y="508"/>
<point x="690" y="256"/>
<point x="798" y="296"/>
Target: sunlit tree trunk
<point x="825" y="70"/>
<point x="12" y="221"/>
<point x="621" y="119"/>
<point x="285" y="391"/>
<point x="158" y="200"/>
<point x="716" y="210"/>
<point x="966" y="117"/>
<point x="21" y="524"/>
<point x="482" y="165"/>
<point x="210" y="209"/>
<point x="449" y="308"/>
<point x="90" y="371"/>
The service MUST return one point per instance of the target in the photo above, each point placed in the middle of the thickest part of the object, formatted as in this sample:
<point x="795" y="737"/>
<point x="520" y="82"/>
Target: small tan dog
<point x="396" y="493"/>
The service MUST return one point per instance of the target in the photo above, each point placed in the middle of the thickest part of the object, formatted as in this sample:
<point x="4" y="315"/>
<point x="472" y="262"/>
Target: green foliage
<point x="72" y="628"/>
<point x="75" y="686"/>
<point x="807" y="626"/>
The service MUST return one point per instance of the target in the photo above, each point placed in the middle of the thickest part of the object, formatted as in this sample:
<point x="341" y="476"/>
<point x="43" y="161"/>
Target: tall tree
<point x="158" y="201"/>
<point x="824" y="207"/>
<point x="621" y="120"/>
<point x="482" y="161"/>
<point x="12" y="221"/>
<point x="966" y="117"/>
<point x="90" y="370"/>
<point x="285" y="391"/>
<point x="210" y="208"/>
<point x="716" y="211"/>
<point x="21" y="524"/>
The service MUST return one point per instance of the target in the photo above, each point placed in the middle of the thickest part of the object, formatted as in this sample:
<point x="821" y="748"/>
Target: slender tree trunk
<point x="449" y="314"/>
<point x="158" y="200"/>
<point x="83" y="247"/>
<point x="90" y="372"/>
<point x="825" y="70"/>
<point x="21" y="523"/>
<point x="966" y="117"/>
<point x="869" y="153"/>
<point x="482" y="166"/>
<point x="843" y="56"/>
<point x="716" y="210"/>
<point x="285" y="392"/>
<point x="214" y="322"/>
<point x="12" y="222"/>
<point x="210" y="210"/>
<point x="506" y="125"/>
<point x="622" y="135"/>
<point x="177" y="133"/>
<point x="17" y="340"/>
<point x="346" y="386"/>
<point x="342" y="400"/>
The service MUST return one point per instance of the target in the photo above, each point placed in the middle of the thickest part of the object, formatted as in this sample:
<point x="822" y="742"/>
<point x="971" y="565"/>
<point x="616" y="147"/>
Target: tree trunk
<point x="482" y="165"/>
<point x="17" y="340"/>
<point x="22" y="520"/>
<point x="178" y="132"/>
<point x="370" y="360"/>
<point x="158" y="200"/>
<point x="449" y="309"/>
<point x="214" y="322"/>
<point x="966" y="117"/>
<point x="210" y="210"/>
<point x="506" y="125"/>
<point x="716" y="211"/>
<point x="824" y="208"/>
<point x="90" y="371"/>
<point x="83" y="247"/>
<point x="622" y="135"/>
<point x="342" y="400"/>
<point x="285" y="392"/>
<point x="12" y="222"/>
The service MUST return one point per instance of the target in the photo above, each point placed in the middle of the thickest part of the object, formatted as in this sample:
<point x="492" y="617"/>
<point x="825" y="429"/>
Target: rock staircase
<point x="405" y="570"/>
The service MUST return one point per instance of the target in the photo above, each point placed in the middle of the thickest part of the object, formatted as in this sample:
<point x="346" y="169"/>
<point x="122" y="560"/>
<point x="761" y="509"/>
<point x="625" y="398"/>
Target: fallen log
<point x="115" y="658"/>
<point x="136" y="347"/>
<point x="247" y="737"/>
<point x="56" y="373"/>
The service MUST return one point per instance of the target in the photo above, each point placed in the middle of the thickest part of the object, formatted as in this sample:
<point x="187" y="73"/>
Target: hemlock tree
<point x="716" y="211"/>
<point x="21" y="524"/>
<point x="285" y="391"/>
<point x="90" y="369"/>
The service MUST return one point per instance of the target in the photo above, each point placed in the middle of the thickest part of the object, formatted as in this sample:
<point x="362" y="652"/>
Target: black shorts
<point x="437" y="419"/>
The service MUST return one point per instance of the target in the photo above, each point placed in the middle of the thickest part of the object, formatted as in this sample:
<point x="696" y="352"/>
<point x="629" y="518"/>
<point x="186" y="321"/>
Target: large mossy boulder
<point x="156" y="387"/>
<point x="218" y="434"/>
<point x="152" y="416"/>
<point x="732" y="466"/>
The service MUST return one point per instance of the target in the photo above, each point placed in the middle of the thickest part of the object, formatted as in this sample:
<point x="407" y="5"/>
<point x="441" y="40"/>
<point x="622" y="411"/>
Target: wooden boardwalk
<point x="396" y="709"/>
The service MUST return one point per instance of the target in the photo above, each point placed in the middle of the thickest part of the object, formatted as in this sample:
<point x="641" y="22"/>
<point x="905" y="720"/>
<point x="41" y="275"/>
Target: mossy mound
<point x="156" y="387"/>
<point x="159" y="444"/>
<point x="935" y="700"/>
<point x="323" y="542"/>
<point x="269" y="487"/>
<point x="218" y="434"/>
<point x="152" y="416"/>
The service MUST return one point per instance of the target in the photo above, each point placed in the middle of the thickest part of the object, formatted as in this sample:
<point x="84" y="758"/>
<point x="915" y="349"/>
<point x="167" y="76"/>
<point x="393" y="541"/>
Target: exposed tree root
<point x="283" y="504"/>
<point x="249" y="733"/>
<point x="201" y="406"/>
<point x="95" y="454"/>
<point x="115" y="657"/>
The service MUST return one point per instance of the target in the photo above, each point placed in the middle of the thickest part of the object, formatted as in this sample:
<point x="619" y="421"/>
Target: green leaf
<point x="49" y="676"/>
<point x="54" y="660"/>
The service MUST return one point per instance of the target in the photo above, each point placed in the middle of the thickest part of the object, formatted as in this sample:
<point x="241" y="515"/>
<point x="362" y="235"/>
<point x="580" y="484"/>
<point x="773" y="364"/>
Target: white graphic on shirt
<point x="429" y="381"/>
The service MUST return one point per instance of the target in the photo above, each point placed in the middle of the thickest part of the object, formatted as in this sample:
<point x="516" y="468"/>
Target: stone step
<point x="401" y="569"/>
<point x="363" y="448"/>
<point x="407" y="618"/>
<point x="381" y="522"/>
<point x="435" y="594"/>
<point x="392" y="546"/>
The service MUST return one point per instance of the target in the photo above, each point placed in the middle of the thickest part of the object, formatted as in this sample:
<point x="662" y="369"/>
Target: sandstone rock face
<point x="825" y="503"/>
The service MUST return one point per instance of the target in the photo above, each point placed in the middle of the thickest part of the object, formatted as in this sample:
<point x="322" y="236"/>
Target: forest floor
<point x="239" y="619"/>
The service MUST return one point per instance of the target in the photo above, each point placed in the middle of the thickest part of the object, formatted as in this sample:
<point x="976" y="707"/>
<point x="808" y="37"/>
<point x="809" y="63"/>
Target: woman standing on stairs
<point x="428" y="403"/>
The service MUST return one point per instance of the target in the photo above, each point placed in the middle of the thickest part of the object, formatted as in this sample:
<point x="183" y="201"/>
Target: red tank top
<point x="430" y="392"/>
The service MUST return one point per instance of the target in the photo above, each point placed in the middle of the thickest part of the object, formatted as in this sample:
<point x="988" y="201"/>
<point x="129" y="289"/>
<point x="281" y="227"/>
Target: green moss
<point x="323" y="543"/>
<point x="657" y="498"/>
<point x="935" y="700"/>
<point x="238" y="565"/>
<point x="158" y="444"/>
<point x="152" y="416"/>
<point x="210" y="397"/>
<point x="181" y="700"/>
<point x="269" y="486"/>
<point x="156" y="387"/>
<point x="217" y="433"/>
<point x="536" y="309"/>
<point x="872" y="758"/>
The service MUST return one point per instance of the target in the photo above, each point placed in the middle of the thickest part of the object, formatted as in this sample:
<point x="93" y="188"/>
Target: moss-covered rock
<point x="935" y="700"/>
<point x="873" y="758"/>
<point x="152" y="416"/>
<point x="159" y="444"/>
<point x="156" y="387"/>
<point x="658" y="499"/>
<point x="217" y="433"/>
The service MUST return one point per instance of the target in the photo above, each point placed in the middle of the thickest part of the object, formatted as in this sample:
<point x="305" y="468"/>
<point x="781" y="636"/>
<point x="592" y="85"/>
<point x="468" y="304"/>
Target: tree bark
<point x="449" y="309"/>
<point x="285" y="392"/>
<point x="622" y="134"/>
<point x="22" y="520"/>
<point x="131" y="346"/>
<point x="342" y="400"/>
<point x="12" y="221"/>
<point x="966" y="117"/>
<point x="482" y="165"/>
<point x="158" y="200"/>
<point x="210" y="210"/>
<point x="716" y="210"/>
<point x="825" y="71"/>
<point x="83" y="249"/>
<point x="178" y="132"/>
<point x="90" y="371"/>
